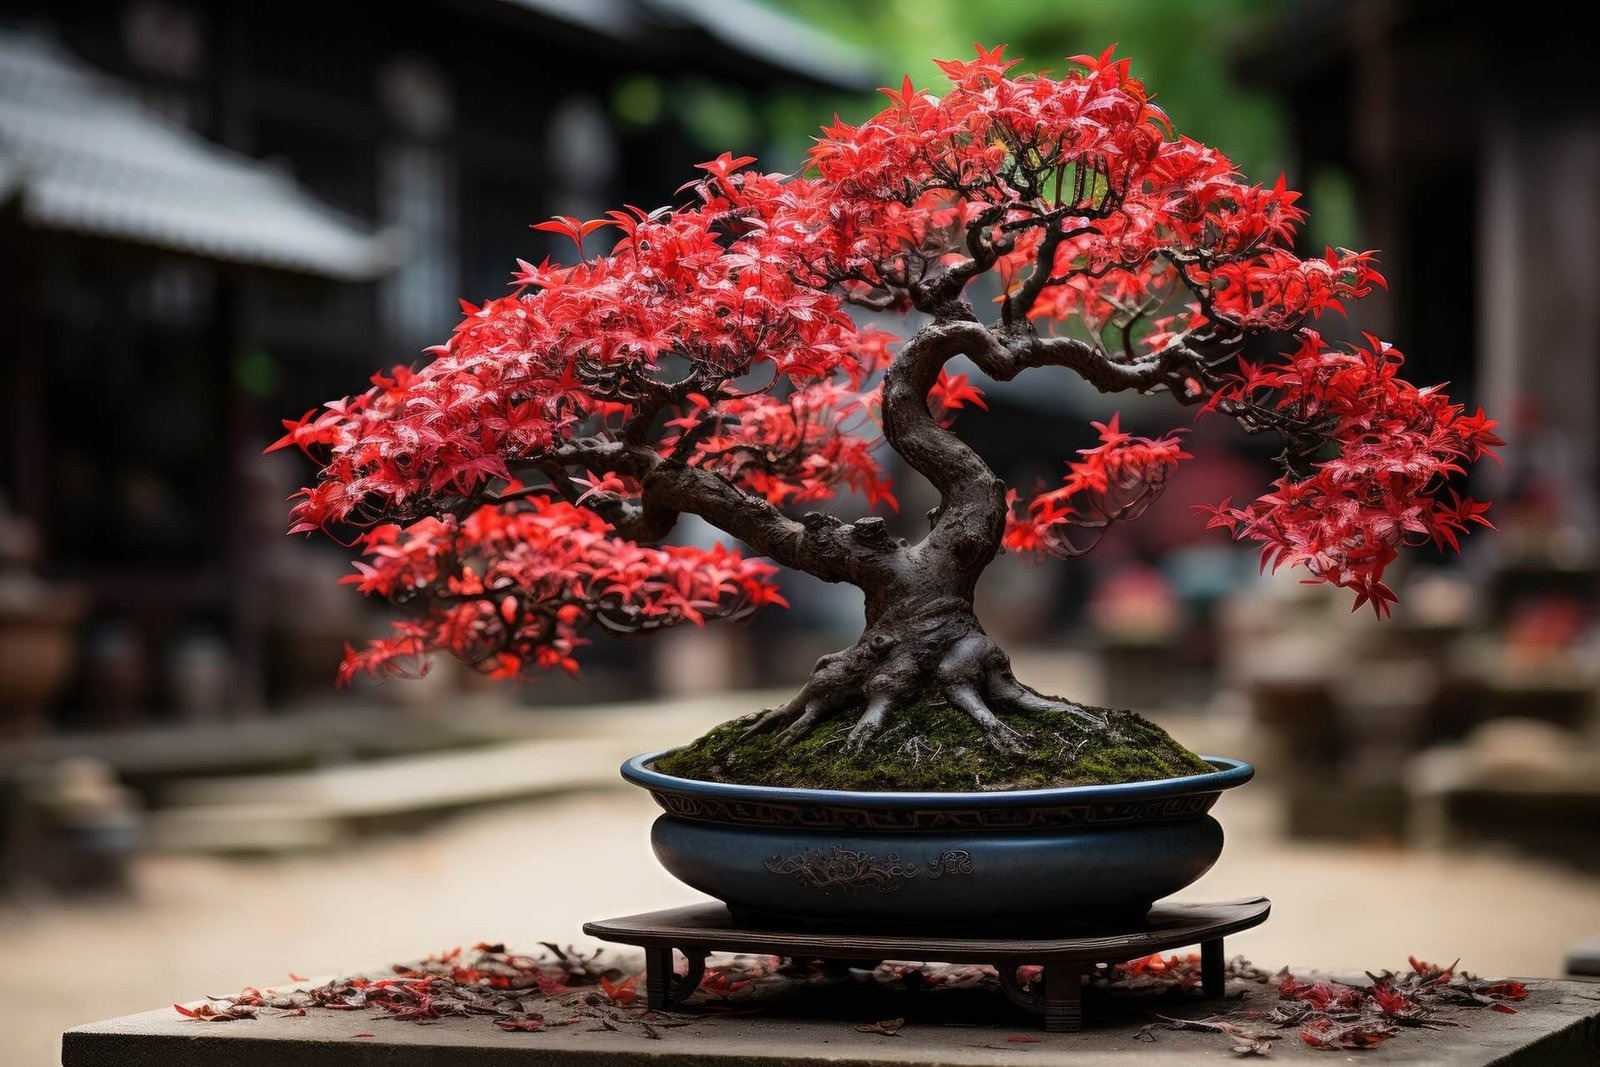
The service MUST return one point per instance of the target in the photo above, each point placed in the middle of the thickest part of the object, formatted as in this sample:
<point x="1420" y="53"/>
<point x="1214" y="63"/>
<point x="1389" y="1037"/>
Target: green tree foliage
<point x="1185" y="51"/>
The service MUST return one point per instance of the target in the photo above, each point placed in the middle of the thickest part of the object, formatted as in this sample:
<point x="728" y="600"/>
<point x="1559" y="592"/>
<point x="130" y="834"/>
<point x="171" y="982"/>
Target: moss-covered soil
<point x="937" y="748"/>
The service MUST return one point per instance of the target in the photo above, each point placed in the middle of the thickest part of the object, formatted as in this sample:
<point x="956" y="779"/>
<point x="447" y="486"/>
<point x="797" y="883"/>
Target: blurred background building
<point x="213" y="216"/>
<point x="216" y="216"/>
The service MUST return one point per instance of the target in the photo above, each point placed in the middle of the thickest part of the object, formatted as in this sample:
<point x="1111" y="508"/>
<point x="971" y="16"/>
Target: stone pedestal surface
<point x="1559" y="1023"/>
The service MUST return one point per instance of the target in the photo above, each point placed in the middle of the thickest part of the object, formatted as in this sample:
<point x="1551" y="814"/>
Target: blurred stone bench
<point x="1514" y="783"/>
<point x="1584" y="959"/>
<point x="313" y="780"/>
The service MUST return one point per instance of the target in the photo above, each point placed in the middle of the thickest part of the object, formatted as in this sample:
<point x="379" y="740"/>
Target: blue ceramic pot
<point x="1038" y="859"/>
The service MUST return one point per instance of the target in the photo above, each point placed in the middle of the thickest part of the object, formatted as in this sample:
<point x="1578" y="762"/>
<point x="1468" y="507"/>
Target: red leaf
<point x="623" y="991"/>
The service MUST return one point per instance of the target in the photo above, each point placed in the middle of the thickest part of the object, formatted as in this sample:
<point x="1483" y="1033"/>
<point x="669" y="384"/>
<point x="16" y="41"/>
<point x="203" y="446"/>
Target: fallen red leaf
<point x="621" y="992"/>
<point x="209" y="1012"/>
<point x="718" y="981"/>
<point x="1432" y="973"/>
<point x="529" y="1024"/>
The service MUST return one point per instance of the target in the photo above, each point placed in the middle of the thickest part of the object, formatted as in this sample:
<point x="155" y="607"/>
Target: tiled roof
<point x="779" y="40"/>
<point x="78" y="152"/>
<point x="747" y="29"/>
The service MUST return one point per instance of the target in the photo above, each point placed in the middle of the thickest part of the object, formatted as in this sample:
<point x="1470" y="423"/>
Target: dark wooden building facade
<point x="1472" y="148"/>
<point x="150" y="347"/>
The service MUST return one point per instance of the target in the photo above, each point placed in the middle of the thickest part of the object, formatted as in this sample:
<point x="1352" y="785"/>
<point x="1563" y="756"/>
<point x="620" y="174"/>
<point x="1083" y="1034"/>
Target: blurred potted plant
<point x="38" y="632"/>
<point x="519" y="487"/>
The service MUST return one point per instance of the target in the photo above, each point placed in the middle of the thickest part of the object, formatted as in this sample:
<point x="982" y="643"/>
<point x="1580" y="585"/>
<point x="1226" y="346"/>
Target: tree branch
<point x="833" y="552"/>
<point x="971" y="514"/>
<point x="1018" y="304"/>
<point x="662" y="394"/>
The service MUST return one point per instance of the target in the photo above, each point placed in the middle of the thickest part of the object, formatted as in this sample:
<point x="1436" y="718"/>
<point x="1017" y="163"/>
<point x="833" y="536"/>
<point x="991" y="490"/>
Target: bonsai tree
<point x="517" y="489"/>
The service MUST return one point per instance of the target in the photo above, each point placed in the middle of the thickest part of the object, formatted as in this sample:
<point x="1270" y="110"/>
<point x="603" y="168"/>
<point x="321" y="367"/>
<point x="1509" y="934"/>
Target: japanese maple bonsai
<point x="518" y="488"/>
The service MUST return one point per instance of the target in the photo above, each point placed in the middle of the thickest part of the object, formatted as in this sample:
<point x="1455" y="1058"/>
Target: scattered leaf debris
<point x="1339" y="1017"/>
<point x="558" y="986"/>
<point x="561" y="986"/>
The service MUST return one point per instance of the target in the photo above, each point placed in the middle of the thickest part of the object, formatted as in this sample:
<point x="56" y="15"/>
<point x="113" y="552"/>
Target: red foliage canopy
<point x="708" y="363"/>
<point x="1397" y="447"/>
<point x="509" y="588"/>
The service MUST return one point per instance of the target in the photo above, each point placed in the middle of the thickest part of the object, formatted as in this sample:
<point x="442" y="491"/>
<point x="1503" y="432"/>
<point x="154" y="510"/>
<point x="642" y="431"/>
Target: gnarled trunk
<point x="923" y="646"/>
<point x="923" y="643"/>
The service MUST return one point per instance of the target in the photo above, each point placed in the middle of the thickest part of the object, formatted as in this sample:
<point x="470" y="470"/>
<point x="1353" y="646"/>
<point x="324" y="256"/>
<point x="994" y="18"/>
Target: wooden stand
<point x="1057" y="996"/>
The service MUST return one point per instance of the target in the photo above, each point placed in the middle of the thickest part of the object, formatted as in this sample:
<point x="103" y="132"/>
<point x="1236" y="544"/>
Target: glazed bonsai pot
<point x="1040" y="859"/>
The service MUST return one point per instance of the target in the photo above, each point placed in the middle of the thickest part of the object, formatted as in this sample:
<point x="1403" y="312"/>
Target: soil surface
<point x="938" y="748"/>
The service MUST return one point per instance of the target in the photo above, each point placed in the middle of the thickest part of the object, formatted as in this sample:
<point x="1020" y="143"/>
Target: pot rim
<point x="1229" y="774"/>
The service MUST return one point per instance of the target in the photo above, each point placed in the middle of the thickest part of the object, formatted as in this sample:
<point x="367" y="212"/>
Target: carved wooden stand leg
<point x="1057" y="995"/>
<point x="1213" y="976"/>
<point x="1063" y="998"/>
<point x="663" y="985"/>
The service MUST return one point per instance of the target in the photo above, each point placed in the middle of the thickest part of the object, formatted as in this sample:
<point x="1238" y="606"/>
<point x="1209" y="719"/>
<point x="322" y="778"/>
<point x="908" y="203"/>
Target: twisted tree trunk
<point x="923" y="643"/>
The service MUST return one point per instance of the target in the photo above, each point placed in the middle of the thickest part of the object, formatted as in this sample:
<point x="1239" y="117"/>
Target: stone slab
<point x="1559" y="1023"/>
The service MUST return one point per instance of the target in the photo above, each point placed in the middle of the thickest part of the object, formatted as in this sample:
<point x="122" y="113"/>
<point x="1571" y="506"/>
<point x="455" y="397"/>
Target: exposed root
<point x="941" y="657"/>
<point x="870" y="725"/>
<point x="775" y="717"/>
<point x="917" y="748"/>
<point x="1008" y="691"/>
<point x="809" y="719"/>
<point x="995" y="732"/>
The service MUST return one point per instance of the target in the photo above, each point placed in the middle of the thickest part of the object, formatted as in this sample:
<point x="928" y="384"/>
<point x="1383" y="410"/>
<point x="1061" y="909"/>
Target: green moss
<point x="936" y="748"/>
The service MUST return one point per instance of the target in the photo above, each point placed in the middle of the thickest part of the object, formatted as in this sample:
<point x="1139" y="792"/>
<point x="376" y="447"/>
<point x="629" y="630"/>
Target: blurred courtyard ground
<point x="536" y="869"/>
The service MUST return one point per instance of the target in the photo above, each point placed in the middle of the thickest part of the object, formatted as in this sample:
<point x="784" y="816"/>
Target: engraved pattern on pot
<point x="951" y="861"/>
<point x="850" y="870"/>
